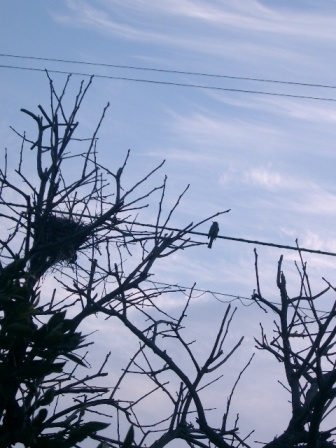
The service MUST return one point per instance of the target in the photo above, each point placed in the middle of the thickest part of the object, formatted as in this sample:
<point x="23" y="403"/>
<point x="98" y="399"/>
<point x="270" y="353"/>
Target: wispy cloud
<point x="251" y="16"/>
<point x="268" y="179"/>
<point x="298" y="194"/>
<point x="222" y="28"/>
<point x="304" y="110"/>
<point x="84" y="14"/>
<point x="205" y="128"/>
<point x="255" y="16"/>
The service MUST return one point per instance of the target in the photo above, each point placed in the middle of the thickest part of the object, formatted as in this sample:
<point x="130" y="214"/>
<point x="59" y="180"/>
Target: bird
<point x="213" y="232"/>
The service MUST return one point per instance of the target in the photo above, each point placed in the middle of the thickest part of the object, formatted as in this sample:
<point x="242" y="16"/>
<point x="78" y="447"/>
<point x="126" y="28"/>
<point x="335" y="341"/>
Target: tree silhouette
<point x="81" y="227"/>
<point x="303" y="342"/>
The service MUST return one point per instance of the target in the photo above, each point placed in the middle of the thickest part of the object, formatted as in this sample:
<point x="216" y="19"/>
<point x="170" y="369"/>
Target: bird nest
<point x="60" y="238"/>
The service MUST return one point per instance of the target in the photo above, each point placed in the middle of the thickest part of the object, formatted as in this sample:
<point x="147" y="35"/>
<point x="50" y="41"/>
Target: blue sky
<point x="270" y="159"/>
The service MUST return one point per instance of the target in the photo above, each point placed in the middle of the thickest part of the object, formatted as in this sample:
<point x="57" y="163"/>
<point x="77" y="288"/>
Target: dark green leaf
<point x="19" y="328"/>
<point x="38" y="369"/>
<point x="75" y="359"/>
<point x="47" y="398"/>
<point x="129" y="438"/>
<point x="41" y="416"/>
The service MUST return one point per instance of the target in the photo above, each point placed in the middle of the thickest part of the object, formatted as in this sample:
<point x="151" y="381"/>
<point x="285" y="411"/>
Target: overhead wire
<point x="176" y="84"/>
<point x="229" y="238"/>
<point x="241" y="240"/>
<point x="161" y="70"/>
<point x="233" y="297"/>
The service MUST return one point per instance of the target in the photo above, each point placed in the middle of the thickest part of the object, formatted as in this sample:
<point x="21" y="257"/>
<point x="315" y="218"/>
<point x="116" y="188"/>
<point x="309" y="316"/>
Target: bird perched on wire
<point x="213" y="232"/>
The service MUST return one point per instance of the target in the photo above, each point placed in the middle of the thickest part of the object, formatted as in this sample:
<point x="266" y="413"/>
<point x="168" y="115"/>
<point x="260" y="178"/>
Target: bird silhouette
<point x="213" y="232"/>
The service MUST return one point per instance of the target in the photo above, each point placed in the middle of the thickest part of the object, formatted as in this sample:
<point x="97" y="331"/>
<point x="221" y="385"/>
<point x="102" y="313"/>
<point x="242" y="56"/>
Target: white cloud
<point x="299" y="194"/>
<point x="250" y="16"/>
<point x="203" y="128"/>
<point x="316" y="112"/>
<point x="221" y="29"/>
<point x="87" y="15"/>
<point x="267" y="179"/>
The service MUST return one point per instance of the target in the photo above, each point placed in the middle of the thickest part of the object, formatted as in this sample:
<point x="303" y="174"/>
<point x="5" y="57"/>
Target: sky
<point x="268" y="157"/>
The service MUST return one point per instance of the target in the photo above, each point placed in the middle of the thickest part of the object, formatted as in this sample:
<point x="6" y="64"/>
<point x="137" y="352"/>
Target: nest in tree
<point x="60" y="238"/>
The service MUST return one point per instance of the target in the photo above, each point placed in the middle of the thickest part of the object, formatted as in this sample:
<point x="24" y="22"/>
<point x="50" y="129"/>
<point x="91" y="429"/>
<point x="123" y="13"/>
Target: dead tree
<point x="304" y="342"/>
<point x="80" y="226"/>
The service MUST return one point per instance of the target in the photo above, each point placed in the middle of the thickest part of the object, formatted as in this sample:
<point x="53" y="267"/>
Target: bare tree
<point x="82" y="228"/>
<point x="304" y="342"/>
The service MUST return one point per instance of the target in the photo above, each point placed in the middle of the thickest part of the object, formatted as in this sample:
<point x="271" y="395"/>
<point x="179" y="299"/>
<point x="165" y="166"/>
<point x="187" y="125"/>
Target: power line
<point x="159" y="70"/>
<point x="232" y="297"/>
<point x="241" y="240"/>
<point x="168" y="83"/>
<point x="229" y="238"/>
